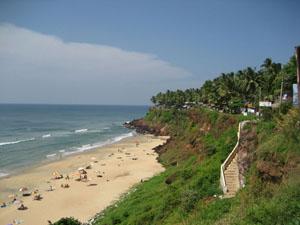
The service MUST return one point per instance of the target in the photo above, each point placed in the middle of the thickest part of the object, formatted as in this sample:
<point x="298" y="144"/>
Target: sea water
<point x="30" y="134"/>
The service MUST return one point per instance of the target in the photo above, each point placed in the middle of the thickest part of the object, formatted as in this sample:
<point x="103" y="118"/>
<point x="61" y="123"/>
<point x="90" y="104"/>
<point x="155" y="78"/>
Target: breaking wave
<point x="100" y="144"/>
<point x="16" y="142"/>
<point x="81" y="130"/>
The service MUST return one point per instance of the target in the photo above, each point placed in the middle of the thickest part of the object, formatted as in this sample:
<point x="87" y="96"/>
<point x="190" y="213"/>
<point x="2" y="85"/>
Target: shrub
<point x="67" y="221"/>
<point x="189" y="199"/>
<point x="170" y="179"/>
<point x="187" y="173"/>
<point x="210" y="150"/>
<point x="285" y="107"/>
<point x="267" y="113"/>
<point x="115" y="220"/>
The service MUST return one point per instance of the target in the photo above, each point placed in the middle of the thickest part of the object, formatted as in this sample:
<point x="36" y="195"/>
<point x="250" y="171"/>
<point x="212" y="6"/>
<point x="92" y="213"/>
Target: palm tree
<point x="250" y="83"/>
<point x="270" y="78"/>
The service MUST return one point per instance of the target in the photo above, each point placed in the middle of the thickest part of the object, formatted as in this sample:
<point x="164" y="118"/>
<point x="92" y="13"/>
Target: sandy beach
<point x="114" y="169"/>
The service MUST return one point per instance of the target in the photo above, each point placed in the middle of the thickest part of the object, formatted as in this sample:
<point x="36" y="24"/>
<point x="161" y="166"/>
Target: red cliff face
<point x="142" y="127"/>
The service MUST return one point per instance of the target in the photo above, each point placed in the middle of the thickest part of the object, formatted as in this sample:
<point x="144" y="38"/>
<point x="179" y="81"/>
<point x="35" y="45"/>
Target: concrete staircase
<point x="229" y="178"/>
<point x="231" y="175"/>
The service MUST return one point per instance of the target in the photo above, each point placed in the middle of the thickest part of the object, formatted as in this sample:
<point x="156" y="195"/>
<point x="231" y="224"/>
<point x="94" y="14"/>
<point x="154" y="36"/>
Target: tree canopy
<point x="230" y="91"/>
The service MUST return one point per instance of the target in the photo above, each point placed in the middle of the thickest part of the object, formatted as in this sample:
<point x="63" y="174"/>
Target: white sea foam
<point x="3" y="174"/>
<point x="95" y="131"/>
<point x="119" y="138"/>
<point x="81" y="130"/>
<point x="89" y="131"/>
<point x="46" y="135"/>
<point x="51" y="155"/>
<point x="16" y="142"/>
<point x="85" y="147"/>
<point x="100" y="144"/>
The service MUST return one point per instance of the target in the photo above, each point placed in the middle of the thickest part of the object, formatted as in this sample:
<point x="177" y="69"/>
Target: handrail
<point x="229" y="158"/>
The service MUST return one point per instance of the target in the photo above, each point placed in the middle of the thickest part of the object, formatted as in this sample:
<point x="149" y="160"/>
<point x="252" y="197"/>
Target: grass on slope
<point x="272" y="194"/>
<point x="185" y="194"/>
<point x="170" y="197"/>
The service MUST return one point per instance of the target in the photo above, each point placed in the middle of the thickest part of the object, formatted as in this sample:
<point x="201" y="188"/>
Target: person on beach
<point x="37" y="197"/>
<point x="65" y="185"/>
<point x="14" y="200"/>
<point x="22" y="207"/>
<point x="50" y="188"/>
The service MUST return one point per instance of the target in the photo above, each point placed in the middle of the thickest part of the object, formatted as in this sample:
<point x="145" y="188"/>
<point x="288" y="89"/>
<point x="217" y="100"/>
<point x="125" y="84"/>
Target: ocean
<point x="32" y="134"/>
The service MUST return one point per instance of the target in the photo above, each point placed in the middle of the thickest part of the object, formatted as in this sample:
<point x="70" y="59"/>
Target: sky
<point x="123" y="52"/>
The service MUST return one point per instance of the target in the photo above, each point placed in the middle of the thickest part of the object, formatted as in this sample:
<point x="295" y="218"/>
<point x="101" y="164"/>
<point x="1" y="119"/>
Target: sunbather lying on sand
<point x="65" y="185"/>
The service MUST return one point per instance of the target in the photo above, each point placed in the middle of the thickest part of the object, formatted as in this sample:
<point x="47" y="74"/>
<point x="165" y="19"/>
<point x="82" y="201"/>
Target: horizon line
<point x="72" y="104"/>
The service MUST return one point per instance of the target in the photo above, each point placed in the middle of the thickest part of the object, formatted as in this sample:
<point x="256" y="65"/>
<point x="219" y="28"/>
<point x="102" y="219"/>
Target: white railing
<point x="230" y="158"/>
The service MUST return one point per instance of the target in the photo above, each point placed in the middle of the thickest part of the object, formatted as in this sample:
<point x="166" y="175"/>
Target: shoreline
<point x="47" y="160"/>
<point x="122" y="165"/>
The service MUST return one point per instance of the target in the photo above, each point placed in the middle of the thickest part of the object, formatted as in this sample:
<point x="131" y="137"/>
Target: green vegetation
<point x="231" y="91"/>
<point x="171" y="196"/>
<point x="67" y="221"/>
<point x="272" y="194"/>
<point x="187" y="192"/>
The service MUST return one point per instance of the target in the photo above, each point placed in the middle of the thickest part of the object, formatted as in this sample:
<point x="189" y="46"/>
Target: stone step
<point x="232" y="180"/>
<point x="232" y="166"/>
<point x="231" y="173"/>
<point x="231" y="169"/>
<point x="232" y="177"/>
<point x="233" y="185"/>
<point x="232" y="189"/>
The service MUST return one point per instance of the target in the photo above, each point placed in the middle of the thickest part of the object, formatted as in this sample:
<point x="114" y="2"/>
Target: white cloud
<point x="35" y="67"/>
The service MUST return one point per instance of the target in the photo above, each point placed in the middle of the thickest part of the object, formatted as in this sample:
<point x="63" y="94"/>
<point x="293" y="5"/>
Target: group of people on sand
<point x="81" y="175"/>
<point x="16" y="201"/>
